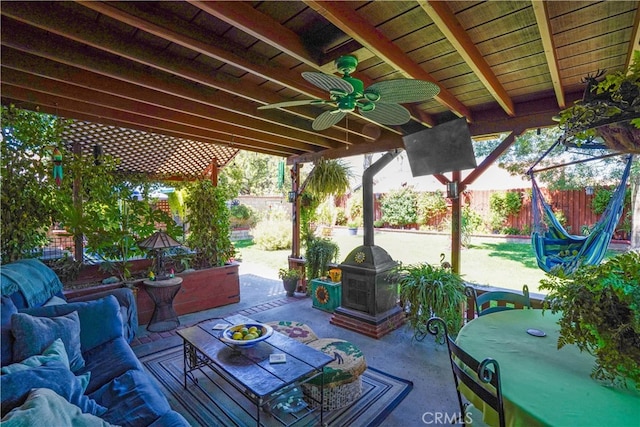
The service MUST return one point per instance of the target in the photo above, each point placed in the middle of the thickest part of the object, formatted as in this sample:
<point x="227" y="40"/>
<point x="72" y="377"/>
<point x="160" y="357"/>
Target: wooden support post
<point x="456" y="225"/>
<point x="214" y="171"/>
<point x="295" y="211"/>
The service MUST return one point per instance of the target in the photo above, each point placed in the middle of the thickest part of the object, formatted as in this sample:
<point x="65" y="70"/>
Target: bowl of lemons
<point x="246" y="334"/>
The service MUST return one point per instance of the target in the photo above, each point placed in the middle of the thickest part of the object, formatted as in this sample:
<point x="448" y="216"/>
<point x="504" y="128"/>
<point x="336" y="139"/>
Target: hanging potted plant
<point x="610" y="109"/>
<point x="426" y="291"/>
<point x="290" y="278"/>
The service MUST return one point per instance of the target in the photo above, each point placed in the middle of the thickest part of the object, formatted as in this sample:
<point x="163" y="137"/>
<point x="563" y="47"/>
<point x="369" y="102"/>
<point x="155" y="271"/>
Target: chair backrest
<point x="470" y="372"/>
<point x="491" y="302"/>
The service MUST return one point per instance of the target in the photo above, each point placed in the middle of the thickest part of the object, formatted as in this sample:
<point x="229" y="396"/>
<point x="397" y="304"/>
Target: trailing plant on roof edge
<point x="600" y="308"/>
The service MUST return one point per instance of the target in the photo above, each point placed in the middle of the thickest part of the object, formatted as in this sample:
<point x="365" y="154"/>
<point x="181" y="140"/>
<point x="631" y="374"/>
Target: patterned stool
<point x="342" y="381"/>
<point x="296" y="330"/>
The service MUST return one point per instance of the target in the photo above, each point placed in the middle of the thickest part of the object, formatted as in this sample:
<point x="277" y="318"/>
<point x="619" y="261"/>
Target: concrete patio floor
<point x="263" y="298"/>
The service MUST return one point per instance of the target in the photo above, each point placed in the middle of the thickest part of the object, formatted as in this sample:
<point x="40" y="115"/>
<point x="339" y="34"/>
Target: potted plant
<point x="320" y="252"/>
<point x="600" y="308"/>
<point x="426" y="291"/>
<point x="290" y="278"/>
<point x="352" y="226"/>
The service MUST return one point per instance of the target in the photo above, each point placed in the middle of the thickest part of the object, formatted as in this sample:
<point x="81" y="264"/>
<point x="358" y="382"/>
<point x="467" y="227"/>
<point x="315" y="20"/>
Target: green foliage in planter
<point x="320" y="252"/>
<point x="430" y="204"/>
<point x="289" y="274"/>
<point x="28" y="198"/>
<point x="600" y="308"/>
<point x="400" y="207"/>
<point x="209" y="229"/>
<point x="122" y="220"/>
<point x="427" y="290"/>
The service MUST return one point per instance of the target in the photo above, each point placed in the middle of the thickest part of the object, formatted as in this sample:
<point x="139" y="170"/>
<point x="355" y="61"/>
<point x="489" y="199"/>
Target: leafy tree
<point x="254" y="174"/>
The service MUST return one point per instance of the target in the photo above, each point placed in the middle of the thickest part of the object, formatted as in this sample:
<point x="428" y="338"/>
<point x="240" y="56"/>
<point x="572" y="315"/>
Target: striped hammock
<point x="557" y="250"/>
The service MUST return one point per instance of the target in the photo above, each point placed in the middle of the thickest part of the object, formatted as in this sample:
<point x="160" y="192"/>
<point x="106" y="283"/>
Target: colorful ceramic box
<point x="326" y="295"/>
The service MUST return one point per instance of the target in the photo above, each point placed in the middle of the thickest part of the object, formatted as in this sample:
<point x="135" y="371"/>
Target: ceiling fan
<point x="379" y="102"/>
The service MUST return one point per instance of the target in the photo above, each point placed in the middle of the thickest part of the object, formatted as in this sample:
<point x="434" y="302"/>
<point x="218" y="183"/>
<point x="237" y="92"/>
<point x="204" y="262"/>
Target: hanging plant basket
<point x="621" y="136"/>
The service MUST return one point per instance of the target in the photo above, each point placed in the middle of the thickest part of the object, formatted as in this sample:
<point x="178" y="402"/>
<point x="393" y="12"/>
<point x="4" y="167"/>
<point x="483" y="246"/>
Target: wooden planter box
<point x="201" y="290"/>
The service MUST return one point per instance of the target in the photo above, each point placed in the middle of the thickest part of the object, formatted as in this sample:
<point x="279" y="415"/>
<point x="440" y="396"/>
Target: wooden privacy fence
<point x="575" y="206"/>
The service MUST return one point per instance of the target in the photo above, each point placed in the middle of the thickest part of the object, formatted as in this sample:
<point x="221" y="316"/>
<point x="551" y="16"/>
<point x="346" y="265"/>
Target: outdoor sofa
<point x="77" y="349"/>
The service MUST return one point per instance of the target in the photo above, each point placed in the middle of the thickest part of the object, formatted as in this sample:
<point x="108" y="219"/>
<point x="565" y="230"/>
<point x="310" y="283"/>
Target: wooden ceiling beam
<point x="264" y="28"/>
<point x="544" y="26"/>
<point x="342" y="16"/>
<point x="246" y="18"/>
<point x="76" y="109"/>
<point x="448" y="24"/>
<point x="210" y="48"/>
<point x="223" y="131"/>
<point x="137" y="85"/>
<point x="85" y="31"/>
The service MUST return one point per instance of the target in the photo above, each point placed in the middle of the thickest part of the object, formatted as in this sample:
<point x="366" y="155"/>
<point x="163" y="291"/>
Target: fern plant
<point x="427" y="291"/>
<point x="600" y="308"/>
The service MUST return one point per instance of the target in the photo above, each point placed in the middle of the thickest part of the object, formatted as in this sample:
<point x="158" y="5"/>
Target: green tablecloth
<point x="542" y="385"/>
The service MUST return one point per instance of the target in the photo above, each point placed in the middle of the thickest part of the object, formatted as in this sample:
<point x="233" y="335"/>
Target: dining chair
<point x="494" y="301"/>
<point x="473" y="374"/>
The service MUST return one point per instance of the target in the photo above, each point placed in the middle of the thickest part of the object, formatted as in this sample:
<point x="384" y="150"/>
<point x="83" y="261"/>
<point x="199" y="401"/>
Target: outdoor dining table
<point x="541" y="384"/>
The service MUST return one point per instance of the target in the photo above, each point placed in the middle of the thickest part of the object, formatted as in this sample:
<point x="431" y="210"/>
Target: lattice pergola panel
<point x="149" y="153"/>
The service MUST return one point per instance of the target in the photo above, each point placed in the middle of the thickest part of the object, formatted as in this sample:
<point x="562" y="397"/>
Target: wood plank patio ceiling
<point x="194" y="72"/>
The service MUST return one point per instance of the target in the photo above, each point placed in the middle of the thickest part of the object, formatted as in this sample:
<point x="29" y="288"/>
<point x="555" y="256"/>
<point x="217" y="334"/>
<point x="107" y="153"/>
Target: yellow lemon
<point x="253" y="330"/>
<point x="237" y="335"/>
<point x="250" y="337"/>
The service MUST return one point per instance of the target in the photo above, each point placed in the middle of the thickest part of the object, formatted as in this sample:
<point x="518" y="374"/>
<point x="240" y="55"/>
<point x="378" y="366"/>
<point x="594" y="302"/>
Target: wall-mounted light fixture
<point x="452" y="190"/>
<point x="292" y="196"/>
<point x="588" y="190"/>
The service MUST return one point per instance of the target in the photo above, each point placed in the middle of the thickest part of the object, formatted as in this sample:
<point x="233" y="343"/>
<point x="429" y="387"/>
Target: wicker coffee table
<point x="249" y="369"/>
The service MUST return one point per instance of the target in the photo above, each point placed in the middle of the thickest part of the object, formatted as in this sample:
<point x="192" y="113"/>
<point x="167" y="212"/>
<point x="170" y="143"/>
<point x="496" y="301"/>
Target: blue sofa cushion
<point x="109" y="361"/>
<point x="29" y="282"/>
<point x="6" y="338"/>
<point x="133" y="400"/>
<point x="99" y="319"/>
<point x="53" y="375"/>
<point x="34" y="334"/>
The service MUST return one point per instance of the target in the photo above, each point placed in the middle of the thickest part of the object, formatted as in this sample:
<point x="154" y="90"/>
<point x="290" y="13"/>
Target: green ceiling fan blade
<point x="327" y="119"/>
<point x="294" y="103"/>
<point x="399" y="91"/>
<point x="387" y="114"/>
<point x="327" y="82"/>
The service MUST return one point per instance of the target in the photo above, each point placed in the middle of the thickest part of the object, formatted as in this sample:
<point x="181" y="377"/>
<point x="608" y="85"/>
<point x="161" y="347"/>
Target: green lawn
<point x="487" y="261"/>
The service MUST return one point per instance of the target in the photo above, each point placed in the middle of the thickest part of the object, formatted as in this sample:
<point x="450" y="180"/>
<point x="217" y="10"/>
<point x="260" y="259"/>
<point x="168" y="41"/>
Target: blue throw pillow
<point x="43" y="406"/>
<point x="54" y="353"/>
<point x="34" y="334"/>
<point x="6" y="339"/>
<point x="99" y="319"/>
<point x="53" y="375"/>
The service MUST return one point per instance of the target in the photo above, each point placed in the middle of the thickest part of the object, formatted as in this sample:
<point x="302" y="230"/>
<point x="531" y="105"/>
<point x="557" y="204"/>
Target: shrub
<point x="241" y="215"/>
<point x="400" y="207"/>
<point x="429" y="205"/>
<point x="502" y="205"/>
<point x="272" y="234"/>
